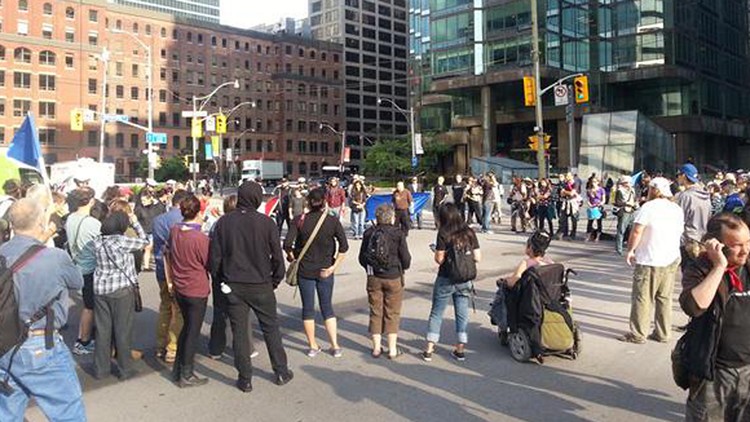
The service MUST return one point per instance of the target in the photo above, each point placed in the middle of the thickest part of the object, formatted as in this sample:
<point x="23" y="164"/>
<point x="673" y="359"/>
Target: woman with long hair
<point x="358" y="198"/>
<point x="454" y="236"/>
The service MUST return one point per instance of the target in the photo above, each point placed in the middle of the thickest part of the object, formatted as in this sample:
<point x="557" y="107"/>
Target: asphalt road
<point x="610" y="381"/>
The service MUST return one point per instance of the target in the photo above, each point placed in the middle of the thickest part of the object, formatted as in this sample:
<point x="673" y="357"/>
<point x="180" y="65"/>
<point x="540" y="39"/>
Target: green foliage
<point x="431" y="162"/>
<point x="388" y="159"/>
<point x="171" y="168"/>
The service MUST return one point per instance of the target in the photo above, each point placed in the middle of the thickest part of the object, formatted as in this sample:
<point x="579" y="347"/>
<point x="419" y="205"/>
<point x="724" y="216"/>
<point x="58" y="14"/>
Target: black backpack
<point x="378" y="250"/>
<point x="13" y="331"/>
<point x="460" y="265"/>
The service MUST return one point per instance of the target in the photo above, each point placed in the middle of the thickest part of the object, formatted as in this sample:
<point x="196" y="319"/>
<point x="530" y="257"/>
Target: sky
<point x="247" y="13"/>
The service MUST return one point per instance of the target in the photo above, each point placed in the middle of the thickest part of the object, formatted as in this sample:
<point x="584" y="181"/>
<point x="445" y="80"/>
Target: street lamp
<point x="196" y="108"/>
<point x="150" y="88"/>
<point x="104" y="57"/>
<point x="409" y="114"/>
<point x="343" y="144"/>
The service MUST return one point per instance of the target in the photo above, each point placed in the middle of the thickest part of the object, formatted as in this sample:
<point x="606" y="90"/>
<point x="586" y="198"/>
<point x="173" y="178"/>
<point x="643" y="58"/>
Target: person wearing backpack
<point x="385" y="256"/>
<point x="40" y="367"/>
<point x="13" y="192"/>
<point x="457" y="252"/>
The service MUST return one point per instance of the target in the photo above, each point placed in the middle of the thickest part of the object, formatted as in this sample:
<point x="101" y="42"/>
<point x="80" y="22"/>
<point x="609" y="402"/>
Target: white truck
<point x="264" y="170"/>
<point x="100" y="175"/>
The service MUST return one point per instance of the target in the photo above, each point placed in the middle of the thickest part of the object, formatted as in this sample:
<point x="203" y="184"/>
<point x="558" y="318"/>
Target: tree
<point x="388" y="158"/>
<point x="431" y="162"/>
<point x="171" y="168"/>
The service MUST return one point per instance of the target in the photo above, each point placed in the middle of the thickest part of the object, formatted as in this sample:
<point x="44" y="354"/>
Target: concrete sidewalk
<point x="611" y="380"/>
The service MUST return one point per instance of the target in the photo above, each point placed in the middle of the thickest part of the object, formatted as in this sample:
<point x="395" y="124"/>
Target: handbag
<point x="133" y="285"/>
<point x="292" y="277"/>
<point x="594" y="213"/>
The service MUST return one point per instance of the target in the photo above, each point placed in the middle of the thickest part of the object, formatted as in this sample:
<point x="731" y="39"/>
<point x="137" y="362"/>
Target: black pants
<point x="403" y="219"/>
<point x="461" y="205"/>
<point x="217" y="343"/>
<point x="282" y="215"/>
<point x="113" y="316"/>
<point x="542" y="215"/>
<point x="475" y="209"/>
<point x="193" y="309"/>
<point x="568" y="224"/>
<point x="262" y="300"/>
<point x="594" y="227"/>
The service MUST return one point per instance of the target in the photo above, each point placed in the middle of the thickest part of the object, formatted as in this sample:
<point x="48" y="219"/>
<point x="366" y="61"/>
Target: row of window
<point x="22" y="80"/>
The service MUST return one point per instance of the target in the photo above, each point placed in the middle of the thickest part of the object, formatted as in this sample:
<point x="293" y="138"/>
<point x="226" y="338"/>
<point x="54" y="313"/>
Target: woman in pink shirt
<point x="186" y="266"/>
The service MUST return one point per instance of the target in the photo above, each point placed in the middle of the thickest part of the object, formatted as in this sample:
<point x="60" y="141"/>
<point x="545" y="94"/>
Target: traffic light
<point x="529" y="91"/>
<point x="187" y="159"/>
<point x="534" y="142"/>
<point x="547" y="142"/>
<point x="221" y="124"/>
<point x="76" y="120"/>
<point x="581" y="89"/>
<point x="196" y="130"/>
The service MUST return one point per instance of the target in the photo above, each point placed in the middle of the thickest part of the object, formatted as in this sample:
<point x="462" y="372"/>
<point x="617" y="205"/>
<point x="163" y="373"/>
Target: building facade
<point x="682" y="63"/>
<point x="51" y="63"/>
<point x="201" y="10"/>
<point x="374" y="34"/>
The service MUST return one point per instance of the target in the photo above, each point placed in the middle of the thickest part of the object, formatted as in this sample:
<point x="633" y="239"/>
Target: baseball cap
<point x="624" y="179"/>
<point x="151" y="182"/>
<point x="690" y="172"/>
<point x="662" y="185"/>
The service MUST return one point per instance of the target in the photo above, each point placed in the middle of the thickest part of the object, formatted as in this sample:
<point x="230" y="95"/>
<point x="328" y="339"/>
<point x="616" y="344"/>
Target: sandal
<point x="631" y="338"/>
<point x="398" y="354"/>
<point x="311" y="353"/>
<point x="376" y="355"/>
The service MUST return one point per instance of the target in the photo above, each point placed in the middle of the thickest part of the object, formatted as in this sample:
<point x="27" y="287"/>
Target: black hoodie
<point x="245" y="245"/>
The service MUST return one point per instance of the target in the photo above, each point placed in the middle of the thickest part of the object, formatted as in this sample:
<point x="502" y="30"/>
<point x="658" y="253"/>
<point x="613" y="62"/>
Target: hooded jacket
<point x="245" y="245"/>
<point x="695" y="202"/>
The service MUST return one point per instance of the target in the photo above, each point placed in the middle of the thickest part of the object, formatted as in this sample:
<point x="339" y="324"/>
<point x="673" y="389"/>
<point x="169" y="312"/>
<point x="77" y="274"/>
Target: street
<point x="611" y="380"/>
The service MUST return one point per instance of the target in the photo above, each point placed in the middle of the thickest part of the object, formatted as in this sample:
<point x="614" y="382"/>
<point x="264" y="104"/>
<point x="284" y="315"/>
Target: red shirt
<point x="335" y="197"/>
<point x="188" y="256"/>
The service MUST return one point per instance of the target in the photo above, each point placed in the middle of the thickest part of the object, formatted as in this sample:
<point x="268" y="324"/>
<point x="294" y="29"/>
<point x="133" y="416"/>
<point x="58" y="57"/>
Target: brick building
<point x="50" y="64"/>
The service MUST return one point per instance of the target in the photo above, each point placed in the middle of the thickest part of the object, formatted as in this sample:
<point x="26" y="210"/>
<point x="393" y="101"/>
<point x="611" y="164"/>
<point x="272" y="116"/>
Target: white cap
<point x="81" y="175"/>
<point x="301" y="180"/>
<point x="151" y="182"/>
<point x="171" y="182"/>
<point x="662" y="185"/>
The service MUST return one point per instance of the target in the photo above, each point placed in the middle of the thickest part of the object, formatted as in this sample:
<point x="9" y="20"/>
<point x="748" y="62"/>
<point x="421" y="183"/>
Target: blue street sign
<point x="414" y="161"/>
<point x="156" y="138"/>
<point x="116" y="118"/>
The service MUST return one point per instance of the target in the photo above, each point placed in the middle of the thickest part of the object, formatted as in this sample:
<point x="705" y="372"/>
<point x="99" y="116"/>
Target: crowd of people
<point x="203" y="246"/>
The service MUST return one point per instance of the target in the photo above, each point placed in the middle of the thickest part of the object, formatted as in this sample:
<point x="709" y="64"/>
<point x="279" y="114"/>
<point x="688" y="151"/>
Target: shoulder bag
<point x="292" y="278"/>
<point x="133" y="284"/>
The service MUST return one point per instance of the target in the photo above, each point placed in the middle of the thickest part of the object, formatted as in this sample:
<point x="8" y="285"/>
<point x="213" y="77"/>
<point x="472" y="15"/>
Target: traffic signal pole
<point x="535" y="57"/>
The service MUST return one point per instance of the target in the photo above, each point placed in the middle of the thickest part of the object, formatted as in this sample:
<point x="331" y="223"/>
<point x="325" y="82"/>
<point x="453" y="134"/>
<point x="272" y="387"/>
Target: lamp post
<point x="535" y="57"/>
<point x="343" y="144"/>
<point x="409" y="114"/>
<point x="105" y="60"/>
<point x="150" y="88"/>
<point x="196" y="108"/>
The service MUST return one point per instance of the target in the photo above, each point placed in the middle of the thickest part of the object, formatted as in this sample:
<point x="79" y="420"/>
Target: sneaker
<point x="216" y="357"/>
<point x="254" y="354"/>
<point x="311" y="353"/>
<point x="337" y="353"/>
<point x="170" y="356"/>
<point x="427" y="356"/>
<point x="80" y="349"/>
<point x="459" y="356"/>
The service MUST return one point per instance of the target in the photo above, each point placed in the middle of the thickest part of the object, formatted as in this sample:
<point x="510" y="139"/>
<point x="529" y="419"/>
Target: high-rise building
<point x="681" y="63"/>
<point x="202" y="10"/>
<point x="374" y="34"/>
<point x="51" y="64"/>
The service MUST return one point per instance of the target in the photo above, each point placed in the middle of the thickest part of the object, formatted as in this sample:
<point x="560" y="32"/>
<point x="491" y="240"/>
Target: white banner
<point x="418" y="144"/>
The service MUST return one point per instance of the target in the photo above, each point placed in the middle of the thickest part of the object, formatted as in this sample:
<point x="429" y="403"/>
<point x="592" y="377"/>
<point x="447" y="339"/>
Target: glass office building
<point x="682" y="63"/>
<point x="201" y="10"/>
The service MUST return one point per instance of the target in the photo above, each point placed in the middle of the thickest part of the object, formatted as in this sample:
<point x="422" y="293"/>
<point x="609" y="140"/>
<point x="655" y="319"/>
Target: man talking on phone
<point x="716" y="296"/>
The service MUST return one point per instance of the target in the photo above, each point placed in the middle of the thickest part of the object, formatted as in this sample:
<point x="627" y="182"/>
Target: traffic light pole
<point x="535" y="57"/>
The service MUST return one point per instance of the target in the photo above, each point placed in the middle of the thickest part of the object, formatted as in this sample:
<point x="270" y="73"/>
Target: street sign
<point x="189" y="113"/>
<point x="116" y="118"/>
<point x="88" y="116"/>
<point x="156" y="138"/>
<point x="561" y="95"/>
<point x="418" y="149"/>
<point x="414" y="161"/>
<point x="229" y="155"/>
<point x="215" y="145"/>
<point x="195" y="168"/>
<point x="347" y="154"/>
<point x="209" y="151"/>
<point x="211" y="124"/>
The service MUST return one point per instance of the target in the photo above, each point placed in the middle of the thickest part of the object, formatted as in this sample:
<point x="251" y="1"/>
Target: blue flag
<point x="25" y="148"/>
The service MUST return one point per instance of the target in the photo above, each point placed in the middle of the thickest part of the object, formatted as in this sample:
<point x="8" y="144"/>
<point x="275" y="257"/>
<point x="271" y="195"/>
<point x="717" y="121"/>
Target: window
<point x="133" y="140"/>
<point x="118" y="68"/>
<point x="23" y="28"/>
<point x="22" y="55"/>
<point x="23" y="5"/>
<point x="47" y="58"/>
<point x="47" y="82"/>
<point x="47" y="136"/>
<point x="92" y="86"/>
<point x="135" y="27"/>
<point x="134" y="70"/>
<point x="70" y="13"/>
<point x="134" y="93"/>
<point x="176" y="142"/>
<point x="93" y="15"/>
<point x="68" y="61"/>
<point x="148" y="30"/>
<point x="2" y="106"/>
<point x="22" y="80"/>
<point x="162" y="95"/>
<point x="164" y="32"/>
<point x="21" y="107"/>
<point x="47" y="31"/>
<point x="46" y="9"/>
<point x="47" y="109"/>
<point x="119" y="140"/>
<point x="119" y="91"/>
<point x="92" y="138"/>
<point x="70" y="36"/>
<point x="93" y="38"/>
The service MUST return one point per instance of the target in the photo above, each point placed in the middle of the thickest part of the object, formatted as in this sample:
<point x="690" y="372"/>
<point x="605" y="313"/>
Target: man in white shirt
<point x="654" y="248"/>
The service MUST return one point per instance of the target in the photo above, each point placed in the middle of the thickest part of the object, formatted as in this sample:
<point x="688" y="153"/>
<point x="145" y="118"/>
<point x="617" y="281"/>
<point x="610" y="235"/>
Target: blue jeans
<point x="487" y="215"/>
<point x="444" y="290"/>
<point x="358" y="223"/>
<point x="624" y="221"/>
<point x="49" y="376"/>
<point x="307" y="289"/>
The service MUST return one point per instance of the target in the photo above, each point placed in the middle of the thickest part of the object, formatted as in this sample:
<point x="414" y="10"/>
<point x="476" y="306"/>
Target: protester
<point x="186" y="268"/>
<point x="714" y="287"/>
<point x="695" y="202"/>
<point x="58" y="217"/>
<point x="626" y="203"/>
<point x="595" y="196"/>
<point x="488" y="201"/>
<point x="570" y="205"/>
<point x="413" y="188"/>
<point x="12" y="190"/>
<point x="82" y="229"/>
<point x="536" y="248"/>
<point x="147" y="208"/>
<point x="296" y="203"/>
<point x="282" y="211"/>
<point x="116" y="292"/>
<point x="327" y="249"/>
<point x="458" y="191"/>
<point x="654" y="248"/>
<point x="170" y="318"/>
<point x="402" y="203"/>
<point x="46" y="374"/>
<point x="335" y="198"/>
<point x="455" y="234"/>
<point x="519" y="205"/>
<point x="245" y="254"/>
<point x="358" y="197"/>
<point x="439" y="195"/>
<point x="385" y="256"/>
<point x="473" y="197"/>
<point x="544" y="208"/>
